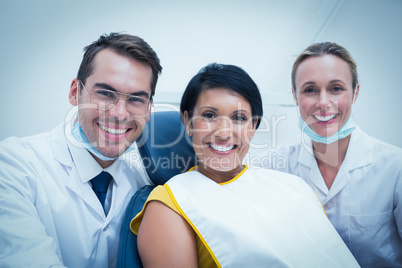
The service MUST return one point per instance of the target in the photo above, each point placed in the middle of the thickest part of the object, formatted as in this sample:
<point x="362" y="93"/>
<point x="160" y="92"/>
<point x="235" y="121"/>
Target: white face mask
<point x="80" y="136"/>
<point x="342" y="133"/>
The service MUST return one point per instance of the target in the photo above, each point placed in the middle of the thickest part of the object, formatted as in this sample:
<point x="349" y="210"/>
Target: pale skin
<point x="221" y="117"/>
<point x="324" y="89"/>
<point x="122" y="75"/>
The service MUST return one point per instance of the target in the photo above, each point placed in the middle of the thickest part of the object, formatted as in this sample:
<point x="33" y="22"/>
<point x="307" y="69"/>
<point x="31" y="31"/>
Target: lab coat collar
<point x="69" y="155"/>
<point x="306" y="158"/>
<point x="358" y="154"/>
<point x="59" y="146"/>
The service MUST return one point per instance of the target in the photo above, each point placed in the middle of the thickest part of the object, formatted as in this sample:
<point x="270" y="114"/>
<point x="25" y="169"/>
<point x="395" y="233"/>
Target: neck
<point x="102" y="163"/>
<point x="330" y="157"/>
<point x="219" y="176"/>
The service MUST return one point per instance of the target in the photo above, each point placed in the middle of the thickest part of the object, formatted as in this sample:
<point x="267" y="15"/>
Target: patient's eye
<point x="209" y="115"/>
<point x="239" y="118"/>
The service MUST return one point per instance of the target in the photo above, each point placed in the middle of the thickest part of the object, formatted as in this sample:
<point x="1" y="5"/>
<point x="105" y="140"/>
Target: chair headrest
<point x="165" y="148"/>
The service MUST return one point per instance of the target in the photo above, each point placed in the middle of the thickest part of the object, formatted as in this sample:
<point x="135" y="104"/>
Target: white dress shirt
<point x="365" y="201"/>
<point x="49" y="214"/>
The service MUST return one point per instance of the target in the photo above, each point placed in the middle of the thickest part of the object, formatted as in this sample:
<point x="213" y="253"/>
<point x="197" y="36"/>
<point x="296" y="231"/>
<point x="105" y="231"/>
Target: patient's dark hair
<point x="126" y="45"/>
<point x="229" y="77"/>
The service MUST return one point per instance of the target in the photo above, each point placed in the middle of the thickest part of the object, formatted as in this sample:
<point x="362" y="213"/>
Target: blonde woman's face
<point x="324" y="93"/>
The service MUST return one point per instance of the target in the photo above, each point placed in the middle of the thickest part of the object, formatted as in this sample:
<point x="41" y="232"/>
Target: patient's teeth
<point x="221" y="148"/>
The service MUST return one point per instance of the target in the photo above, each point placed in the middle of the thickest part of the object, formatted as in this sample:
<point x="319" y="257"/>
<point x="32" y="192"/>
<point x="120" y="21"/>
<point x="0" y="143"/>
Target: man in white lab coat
<point x="52" y="211"/>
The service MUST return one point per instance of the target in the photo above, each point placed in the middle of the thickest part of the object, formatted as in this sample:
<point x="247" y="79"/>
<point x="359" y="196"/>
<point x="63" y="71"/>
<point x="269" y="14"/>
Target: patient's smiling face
<point x="222" y="129"/>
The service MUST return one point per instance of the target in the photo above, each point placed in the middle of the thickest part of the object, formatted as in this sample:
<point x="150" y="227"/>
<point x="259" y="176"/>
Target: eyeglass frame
<point x="149" y="103"/>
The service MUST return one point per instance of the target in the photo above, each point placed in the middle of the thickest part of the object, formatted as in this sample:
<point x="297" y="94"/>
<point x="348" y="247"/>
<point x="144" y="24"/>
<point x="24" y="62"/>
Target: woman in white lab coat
<point x="357" y="178"/>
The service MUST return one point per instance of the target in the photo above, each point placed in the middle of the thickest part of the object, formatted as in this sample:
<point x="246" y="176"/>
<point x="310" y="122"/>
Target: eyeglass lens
<point x="106" y="100"/>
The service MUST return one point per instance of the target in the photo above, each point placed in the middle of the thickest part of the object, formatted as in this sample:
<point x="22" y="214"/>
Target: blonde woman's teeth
<point x="324" y="118"/>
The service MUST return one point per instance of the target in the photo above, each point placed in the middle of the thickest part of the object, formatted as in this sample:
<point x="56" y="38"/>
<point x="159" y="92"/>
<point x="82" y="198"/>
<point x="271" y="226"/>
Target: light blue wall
<point x="42" y="42"/>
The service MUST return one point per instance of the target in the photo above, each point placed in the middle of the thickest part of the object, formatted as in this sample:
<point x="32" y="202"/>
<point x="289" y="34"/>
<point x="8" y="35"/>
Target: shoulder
<point x="36" y="144"/>
<point x="274" y="174"/>
<point x="283" y="179"/>
<point x="24" y="149"/>
<point x="29" y="156"/>
<point x="183" y="177"/>
<point x="159" y="193"/>
<point x="380" y="150"/>
<point x="277" y="158"/>
<point x="164" y="234"/>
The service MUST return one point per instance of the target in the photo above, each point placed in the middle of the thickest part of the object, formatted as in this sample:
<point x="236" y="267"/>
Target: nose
<point x="324" y="99"/>
<point x="224" y="128"/>
<point x="120" y="109"/>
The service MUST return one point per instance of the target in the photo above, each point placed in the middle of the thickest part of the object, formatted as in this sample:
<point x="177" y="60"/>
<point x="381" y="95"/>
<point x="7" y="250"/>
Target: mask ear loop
<point x="78" y="93"/>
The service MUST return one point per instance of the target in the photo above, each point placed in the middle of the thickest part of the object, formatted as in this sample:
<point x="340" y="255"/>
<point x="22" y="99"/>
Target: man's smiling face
<point x="112" y="132"/>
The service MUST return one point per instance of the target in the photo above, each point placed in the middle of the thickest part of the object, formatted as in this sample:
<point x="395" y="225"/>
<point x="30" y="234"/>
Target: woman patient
<point x="222" y="213"/>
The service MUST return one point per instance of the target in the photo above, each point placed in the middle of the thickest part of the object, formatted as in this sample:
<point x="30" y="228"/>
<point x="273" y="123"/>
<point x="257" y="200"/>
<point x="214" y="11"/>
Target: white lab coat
<point x="365" y="201"/>
<point x="49" y="214"/>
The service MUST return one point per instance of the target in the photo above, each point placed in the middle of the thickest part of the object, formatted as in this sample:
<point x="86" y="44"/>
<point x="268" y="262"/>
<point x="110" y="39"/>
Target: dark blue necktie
<point x="100" y="184"/>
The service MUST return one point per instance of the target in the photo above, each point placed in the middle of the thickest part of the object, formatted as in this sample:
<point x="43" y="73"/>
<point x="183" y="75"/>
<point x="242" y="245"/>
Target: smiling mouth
<point x="324" y="118"/>
<point x="113" y="131"/>
<point x="222" y="148"/>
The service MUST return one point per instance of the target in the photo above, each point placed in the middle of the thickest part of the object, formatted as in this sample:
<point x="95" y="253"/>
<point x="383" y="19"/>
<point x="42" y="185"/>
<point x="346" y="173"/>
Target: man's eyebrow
<point x="140" y="93"/>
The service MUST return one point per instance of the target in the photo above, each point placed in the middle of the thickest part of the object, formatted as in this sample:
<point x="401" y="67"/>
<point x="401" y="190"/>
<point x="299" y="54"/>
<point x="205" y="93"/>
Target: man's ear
<point x="187" y="123"/>
<point x="72" y="96"/>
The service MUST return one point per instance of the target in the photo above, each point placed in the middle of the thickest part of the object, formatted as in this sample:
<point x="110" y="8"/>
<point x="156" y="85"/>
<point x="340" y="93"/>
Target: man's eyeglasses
<point x="104" y="100"/>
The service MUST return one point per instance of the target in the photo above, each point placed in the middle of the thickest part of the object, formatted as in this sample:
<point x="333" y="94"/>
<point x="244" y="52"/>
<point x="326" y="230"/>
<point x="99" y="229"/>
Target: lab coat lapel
<point x="63" y="155"/>
<point x="358" y="154"/>
<point x="84" y="191"/>
<point x="59" y="145"/>
<point x="120" y="194"/>
<point x="309" y="169"/>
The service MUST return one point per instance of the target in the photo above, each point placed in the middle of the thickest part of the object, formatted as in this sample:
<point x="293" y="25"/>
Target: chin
<point x="112" y="153"/>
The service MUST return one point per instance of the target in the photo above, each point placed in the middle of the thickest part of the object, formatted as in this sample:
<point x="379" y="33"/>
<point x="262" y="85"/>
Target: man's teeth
<point x="221" y="148"/>
<point x="114" y="131"/>
<point x="324" y="118"/>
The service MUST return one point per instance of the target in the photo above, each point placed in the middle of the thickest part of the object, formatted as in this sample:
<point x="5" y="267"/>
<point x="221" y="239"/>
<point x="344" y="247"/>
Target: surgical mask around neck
<point x="342" y="133"/>
<point x="80" y="136"/>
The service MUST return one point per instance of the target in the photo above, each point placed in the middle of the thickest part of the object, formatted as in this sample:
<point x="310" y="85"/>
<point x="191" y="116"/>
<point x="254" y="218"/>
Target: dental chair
<point x="166" y="151"/>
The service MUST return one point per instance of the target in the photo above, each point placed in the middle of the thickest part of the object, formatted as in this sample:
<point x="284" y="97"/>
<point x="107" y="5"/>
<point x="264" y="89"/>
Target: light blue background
<point x="42" y="42"/>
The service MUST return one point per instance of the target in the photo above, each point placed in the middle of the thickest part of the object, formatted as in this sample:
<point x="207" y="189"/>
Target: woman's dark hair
<point x="126" y="45"/>
<point x="225" y="76"/>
